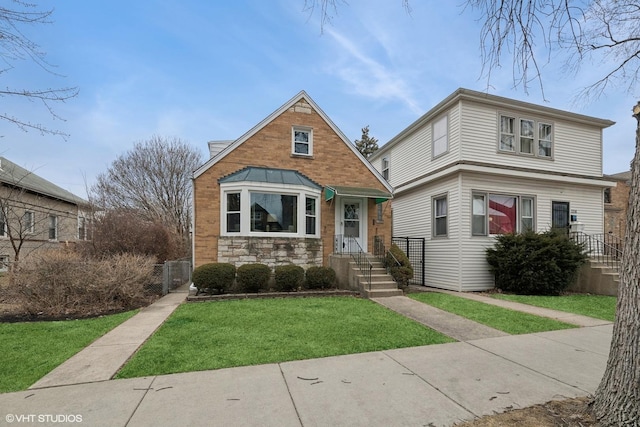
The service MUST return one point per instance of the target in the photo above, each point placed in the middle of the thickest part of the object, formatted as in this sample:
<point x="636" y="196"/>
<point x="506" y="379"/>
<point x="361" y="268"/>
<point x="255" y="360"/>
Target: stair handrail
<point x="603" y="248"/>
<point x="359" y="256"/>
<point x="383" y="254"/>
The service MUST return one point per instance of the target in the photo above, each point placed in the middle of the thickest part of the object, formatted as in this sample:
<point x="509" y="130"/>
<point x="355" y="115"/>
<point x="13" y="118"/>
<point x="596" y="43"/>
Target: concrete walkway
<point x="436" y="385"/>
<point x="105" y="356"/>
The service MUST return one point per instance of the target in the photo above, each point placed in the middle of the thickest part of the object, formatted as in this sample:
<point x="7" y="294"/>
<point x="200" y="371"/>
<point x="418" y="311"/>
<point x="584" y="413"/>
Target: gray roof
<point x="271" y="176"/>
<point x="621" y="176"/>
<point x="12" y="174"/>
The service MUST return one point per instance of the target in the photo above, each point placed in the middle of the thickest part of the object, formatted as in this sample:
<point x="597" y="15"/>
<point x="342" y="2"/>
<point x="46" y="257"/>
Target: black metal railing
<point x="384" y="255"/>
<point x="603" y="248"/>
<point x="414" y="248"/>
<point x="349" y="245"/>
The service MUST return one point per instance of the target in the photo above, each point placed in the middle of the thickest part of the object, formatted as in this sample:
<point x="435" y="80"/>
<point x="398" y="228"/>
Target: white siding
<point x="412" y="217"/>
<point x="586" y="200"/>
<point x="577" y="148"/>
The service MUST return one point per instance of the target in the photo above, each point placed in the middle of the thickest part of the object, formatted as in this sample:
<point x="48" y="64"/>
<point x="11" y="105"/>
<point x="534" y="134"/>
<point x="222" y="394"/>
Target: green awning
<point x="330" y="191"/>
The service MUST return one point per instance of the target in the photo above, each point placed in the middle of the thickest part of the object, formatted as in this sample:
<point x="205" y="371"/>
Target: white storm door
<point x="353" y="221"/>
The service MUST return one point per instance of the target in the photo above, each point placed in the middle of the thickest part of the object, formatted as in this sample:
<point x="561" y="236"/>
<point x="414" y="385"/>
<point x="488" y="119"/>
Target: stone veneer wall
<point x="272" y="251"/>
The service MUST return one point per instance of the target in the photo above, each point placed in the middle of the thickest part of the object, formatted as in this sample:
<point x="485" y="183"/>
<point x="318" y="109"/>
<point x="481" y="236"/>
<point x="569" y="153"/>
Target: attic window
<point x="302" y="141"/>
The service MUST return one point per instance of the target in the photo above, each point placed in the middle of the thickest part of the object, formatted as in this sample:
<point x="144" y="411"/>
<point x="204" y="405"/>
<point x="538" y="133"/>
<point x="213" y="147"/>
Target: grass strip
<point x="597" y="306"/>
<point x="30" y="350"/>
<point x="503" y="319"/>
<point x="214" y="335"/>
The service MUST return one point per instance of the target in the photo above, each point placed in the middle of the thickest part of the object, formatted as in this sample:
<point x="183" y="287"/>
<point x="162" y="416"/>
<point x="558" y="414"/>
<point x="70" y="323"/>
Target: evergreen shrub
<point x="214" y="277"/>
<point x="320" y="278"/>
<point x="253" y="278"/>
<point x="288" y="277"/>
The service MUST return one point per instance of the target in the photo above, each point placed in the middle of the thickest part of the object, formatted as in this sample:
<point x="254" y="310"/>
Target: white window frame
<point x="309" y="142"/>
<point x="519" y="209"/>
<point x="245" y="190"/>
<point x="517" y="136"/>
<point x="313" y="215"/>
<point x="224" y="223"/>
<point x="4" y="263"/>
<point x="522" y="217"/>
<point x="440" y="137"/>
<point x="440" y="216"/>
<point x="385" y="167"/>
<point x="29" y="225"/>
<point x="82" y="228"/>
<point x="53" y="221"/>
<point x="4" y="234"/>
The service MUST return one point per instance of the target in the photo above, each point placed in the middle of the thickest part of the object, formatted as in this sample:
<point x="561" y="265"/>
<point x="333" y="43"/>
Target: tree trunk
<point x="617" y="399"/>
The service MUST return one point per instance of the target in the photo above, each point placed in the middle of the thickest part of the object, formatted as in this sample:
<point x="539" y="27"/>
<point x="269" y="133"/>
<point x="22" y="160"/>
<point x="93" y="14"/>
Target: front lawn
<point x="509" y="321"/>
<point x="30" y="350"/>
<point x="598" y="306"/>
<point x="214" y="335"/>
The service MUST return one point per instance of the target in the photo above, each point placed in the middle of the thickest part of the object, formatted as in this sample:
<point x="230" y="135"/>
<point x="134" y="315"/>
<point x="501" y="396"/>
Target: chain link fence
<point x="170" y="275"/>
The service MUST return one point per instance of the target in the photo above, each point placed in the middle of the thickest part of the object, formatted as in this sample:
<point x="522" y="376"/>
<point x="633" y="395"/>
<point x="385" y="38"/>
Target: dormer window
<point x="302" y="141"/>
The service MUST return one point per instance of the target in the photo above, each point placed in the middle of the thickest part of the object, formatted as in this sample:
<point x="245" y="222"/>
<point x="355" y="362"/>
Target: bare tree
<point x="16" y="46"/>
<point x="153" y="178"/>
<point x="327" y="9"/>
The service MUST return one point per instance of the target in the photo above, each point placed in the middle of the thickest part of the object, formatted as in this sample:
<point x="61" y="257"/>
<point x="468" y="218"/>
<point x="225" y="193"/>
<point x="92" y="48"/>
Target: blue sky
<point x="206" y="70"/>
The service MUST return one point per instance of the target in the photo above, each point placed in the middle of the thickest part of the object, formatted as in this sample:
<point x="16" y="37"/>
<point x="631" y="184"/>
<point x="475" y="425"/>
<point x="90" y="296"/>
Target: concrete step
<point x="381" y="293"/>
<point x="375" y="278"/>
<point x="387" y="284"/>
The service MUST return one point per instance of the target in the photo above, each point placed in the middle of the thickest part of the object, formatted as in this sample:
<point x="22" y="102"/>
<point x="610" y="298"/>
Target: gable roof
<point x="271" y="176"/>
<point x="621" y="176"/>
<point x="17" y="176"/>
<point x="487" y="99"/>
<point x="290" y="103"/>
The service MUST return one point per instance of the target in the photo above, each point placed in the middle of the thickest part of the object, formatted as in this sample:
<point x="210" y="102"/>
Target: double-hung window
<point x="28" y="221"/>
<point x="440" y="216"/>
<point x="233" y="212"/>
<point x="440" y="137"/>
<point x="310" y="215"/>
<point x="385" y="168"/>
<point x="3" y="224"/>
<point x="302" y="141"/>
<point x="53" y="227"/>
<point x="493" y="214"/>
<point x="4" y="263"/>
<point x="525" y="136"/>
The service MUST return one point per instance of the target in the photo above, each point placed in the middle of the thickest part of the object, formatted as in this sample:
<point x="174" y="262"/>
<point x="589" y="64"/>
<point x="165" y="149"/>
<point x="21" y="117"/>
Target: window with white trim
<point x="4" y="263"/>
<point x="255" y="210"/>
<point x="82" y="228"/>
<point x="493" y="214"/>
<point x="302" y="141"/>
<point x="53" y="227"/>
<point x="534" y="138"/>
<point x="385" y="168"/>
<point x="3" y="224"/>
<point x="29" y="221"/>
<point x="440" y="137"/>
<point x="440" y="216"/>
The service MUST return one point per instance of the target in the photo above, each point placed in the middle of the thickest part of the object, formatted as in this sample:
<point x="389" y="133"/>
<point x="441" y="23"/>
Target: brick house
<point x="616" y="202"/>
<point x="36" y="214"/>
<point x="293" y="189"/>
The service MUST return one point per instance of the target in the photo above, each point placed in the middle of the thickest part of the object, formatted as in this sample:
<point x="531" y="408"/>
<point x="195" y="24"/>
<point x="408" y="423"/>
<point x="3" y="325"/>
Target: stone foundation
<point x="272" y="251"/>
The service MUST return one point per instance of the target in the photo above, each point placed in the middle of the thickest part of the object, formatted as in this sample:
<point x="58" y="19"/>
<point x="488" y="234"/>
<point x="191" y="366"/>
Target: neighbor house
<point x="292" y="190"/>
<point x="616" y="202"/>
<point x="478" y="165"/>
<point x="36" y="214"/>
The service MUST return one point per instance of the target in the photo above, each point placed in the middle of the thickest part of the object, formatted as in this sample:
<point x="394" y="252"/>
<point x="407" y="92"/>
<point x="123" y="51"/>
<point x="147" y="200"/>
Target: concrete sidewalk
<point x="489" y="371"/>
<point x="435" y="385"/>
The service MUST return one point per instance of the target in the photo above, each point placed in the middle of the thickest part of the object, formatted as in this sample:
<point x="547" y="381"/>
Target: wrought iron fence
<point x="349" y="245"/>
<point x="414" y="248"/>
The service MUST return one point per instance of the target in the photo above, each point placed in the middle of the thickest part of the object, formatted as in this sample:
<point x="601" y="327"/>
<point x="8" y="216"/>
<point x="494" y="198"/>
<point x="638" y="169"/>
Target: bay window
<point x="255" y="210"/>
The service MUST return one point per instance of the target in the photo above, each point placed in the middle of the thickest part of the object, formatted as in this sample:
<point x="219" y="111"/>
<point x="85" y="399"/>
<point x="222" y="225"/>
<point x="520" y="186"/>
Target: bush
<point x="60" y="283"/>
<point x="320" y="278"/>
<point x="253" y="277"/>
<point x="535" y="263"/>
<point x="402" y="273"/>
<point x="288" y="277"/>
<point x="214" y="277"/>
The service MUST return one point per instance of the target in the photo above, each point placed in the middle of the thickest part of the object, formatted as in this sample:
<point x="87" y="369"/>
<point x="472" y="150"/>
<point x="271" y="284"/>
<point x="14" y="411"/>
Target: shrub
<point x="214" y="277"/>
<point x="288" y="277"/>
<point x="402" y="273"/>
<point x="535" y="263"/>
<point x="320" y="278"/>
<point x="59" y="283"/>
<point x="253" y="277"/>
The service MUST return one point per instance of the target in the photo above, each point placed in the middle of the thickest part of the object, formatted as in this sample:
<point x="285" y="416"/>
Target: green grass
<point x="509" y="321"/>
<point x="598" y="306"/>
<point x="31" y="350"/>
<point x="214" y="335"/>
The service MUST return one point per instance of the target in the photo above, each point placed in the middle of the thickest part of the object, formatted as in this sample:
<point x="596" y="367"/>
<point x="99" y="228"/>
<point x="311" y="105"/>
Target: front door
<point x="352" y="221"/>
<point x="560" y="215"/>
